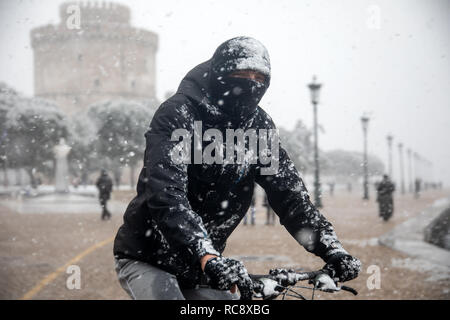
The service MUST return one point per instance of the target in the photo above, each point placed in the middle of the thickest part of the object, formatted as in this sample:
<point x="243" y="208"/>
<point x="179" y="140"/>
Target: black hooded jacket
<point x="184" y="211"/>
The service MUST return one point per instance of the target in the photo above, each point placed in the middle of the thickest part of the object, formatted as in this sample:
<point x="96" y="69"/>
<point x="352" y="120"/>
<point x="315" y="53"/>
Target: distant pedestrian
<point x="331" y="185"/>
<point x="270" y="214"/>
<point x="104" y="185"/>
<point x="385" y="189"/>
<point x="252" y="212"/>
<point x="76" y="182"/>
<point x="349" y="187"/>
<point x="417" y="187"/>
<point x="84" y="178"/>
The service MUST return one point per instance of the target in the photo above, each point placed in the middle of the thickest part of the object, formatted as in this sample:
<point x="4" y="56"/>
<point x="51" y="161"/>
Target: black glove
<point x="223" y="273"/>
<point x="342" y="267"/>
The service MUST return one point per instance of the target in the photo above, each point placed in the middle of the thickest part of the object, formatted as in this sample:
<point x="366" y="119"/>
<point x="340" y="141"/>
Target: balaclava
<point x="238" y="97"/>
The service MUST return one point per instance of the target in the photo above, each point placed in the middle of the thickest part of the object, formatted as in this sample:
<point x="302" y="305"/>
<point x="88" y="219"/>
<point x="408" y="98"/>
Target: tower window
<point x="97" y="82"/>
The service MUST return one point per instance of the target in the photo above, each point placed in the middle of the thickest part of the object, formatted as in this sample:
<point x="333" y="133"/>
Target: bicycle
<point x="282" y="282"/>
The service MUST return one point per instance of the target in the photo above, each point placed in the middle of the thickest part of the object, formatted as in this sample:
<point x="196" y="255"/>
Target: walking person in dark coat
<point x="385" y="189"/>
<point x="252" y="212"/>
<point x="175" y="230"/>
<point x="417" y="187"/>
<point x="104" y="185"/>
<point x="331" y="185"/>
<point x="270" y="215"/>
<point x="349" y="187"/>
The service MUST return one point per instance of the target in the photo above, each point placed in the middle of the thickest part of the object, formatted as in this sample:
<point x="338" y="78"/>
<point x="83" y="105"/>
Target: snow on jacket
<point x="184" y="211"/>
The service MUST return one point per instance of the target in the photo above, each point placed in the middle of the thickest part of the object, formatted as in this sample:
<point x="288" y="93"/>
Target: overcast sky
<point x="389" y="59"/>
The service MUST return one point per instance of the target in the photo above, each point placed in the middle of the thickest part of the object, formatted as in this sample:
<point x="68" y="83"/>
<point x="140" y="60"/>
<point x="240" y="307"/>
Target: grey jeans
<point x="143" y="281"/>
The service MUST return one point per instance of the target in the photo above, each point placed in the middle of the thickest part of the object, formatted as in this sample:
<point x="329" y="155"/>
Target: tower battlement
<point x="59" y="33"/>
<point x="98" y="12"/>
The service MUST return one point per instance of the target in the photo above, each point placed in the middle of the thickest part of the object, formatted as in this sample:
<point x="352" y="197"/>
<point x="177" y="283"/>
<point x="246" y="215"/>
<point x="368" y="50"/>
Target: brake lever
<point x="345" y="288"/>
<point x="330" y="287"/>
<point x="325" y="283"/>
<point x="349" y="289"/>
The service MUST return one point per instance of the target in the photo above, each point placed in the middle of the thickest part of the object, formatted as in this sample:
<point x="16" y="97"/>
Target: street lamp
<point x="417" y="167"/>
<point x="418" y="175"/>
<point x="314" y="88"/>
<point x="402" y="181"/>
<point x="389" y="140"/>
<point x="431" y="172"/>
<point x="411" y="179"/>
<point x="365" y="125"/>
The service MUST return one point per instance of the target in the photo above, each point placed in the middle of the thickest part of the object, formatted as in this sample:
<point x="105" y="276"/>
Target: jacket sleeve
<point x="289" y="198"/>
<point x="167" y="183"/>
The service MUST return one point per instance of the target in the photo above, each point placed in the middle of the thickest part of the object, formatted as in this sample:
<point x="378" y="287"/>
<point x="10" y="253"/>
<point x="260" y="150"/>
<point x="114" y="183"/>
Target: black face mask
<point x="237" y="97"/>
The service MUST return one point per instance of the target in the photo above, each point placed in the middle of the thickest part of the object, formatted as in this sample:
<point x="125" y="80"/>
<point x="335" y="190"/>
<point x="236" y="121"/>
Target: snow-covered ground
<point x="46" y="189"/>
<point x="44" y="200"/>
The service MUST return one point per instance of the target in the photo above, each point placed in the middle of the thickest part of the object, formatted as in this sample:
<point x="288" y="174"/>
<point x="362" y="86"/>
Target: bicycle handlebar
<point x="292" y="277"/>
<point x="299" y="276"/>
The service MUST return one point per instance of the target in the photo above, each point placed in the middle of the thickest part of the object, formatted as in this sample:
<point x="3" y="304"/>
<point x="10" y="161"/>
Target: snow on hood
<point x="241" y="53"/>
<point x="252" y="54"/>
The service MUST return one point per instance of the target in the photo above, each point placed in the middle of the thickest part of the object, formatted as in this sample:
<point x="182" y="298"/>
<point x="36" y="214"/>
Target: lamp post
<point x="365" y="124"/>
<point x="411" y="179"/>
<point x="426" y="173"/>
<point x="417" y="167"/>
<point x="389" y="140"/>
<point x="314" y="88"/>
<point x="402" y="181"/>
<point x="431" y="173"/>
<point x="418" y="175"/>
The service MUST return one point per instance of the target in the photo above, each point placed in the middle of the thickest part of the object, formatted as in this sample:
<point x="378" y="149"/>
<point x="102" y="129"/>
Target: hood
<point x="201" y="83"/>
<point x="241" y="53"/>
<point x="239" y="96"/>
<point x="195" y="85"/>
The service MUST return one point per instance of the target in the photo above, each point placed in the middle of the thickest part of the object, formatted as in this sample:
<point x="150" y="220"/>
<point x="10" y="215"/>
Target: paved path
<point x="36" y="249"/>
<point x="61" y="204"/>
<point x="408" y="237"/>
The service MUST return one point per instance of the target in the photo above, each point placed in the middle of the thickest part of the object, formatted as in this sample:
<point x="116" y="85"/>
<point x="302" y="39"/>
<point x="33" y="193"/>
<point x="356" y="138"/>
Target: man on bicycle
<point x="175" y="230"/>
